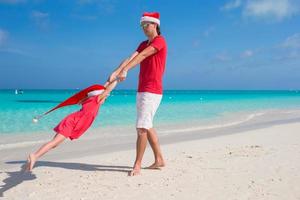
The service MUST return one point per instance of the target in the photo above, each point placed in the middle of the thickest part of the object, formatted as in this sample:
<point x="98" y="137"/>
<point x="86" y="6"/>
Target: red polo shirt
<point x="153" y="67"/>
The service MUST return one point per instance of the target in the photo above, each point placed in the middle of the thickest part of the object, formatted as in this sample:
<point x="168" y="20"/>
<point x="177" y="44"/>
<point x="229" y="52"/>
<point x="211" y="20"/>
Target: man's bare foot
<point x="156" y="165"/>
<point x="135" y="172"/>
<point x="30" y="162"/>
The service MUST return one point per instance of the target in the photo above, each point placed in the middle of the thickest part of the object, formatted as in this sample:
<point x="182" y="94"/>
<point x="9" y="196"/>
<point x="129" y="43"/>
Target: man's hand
<point x="122" y="75"/>
<point x="112" y="77"/>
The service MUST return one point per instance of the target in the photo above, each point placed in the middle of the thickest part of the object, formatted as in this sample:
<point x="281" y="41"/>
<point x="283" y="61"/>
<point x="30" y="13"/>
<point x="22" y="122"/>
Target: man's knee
<point x="141" y="131"/>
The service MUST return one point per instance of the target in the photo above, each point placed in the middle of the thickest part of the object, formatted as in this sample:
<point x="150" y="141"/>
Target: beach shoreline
<point x="249" y="161"/>
<point x="114" y="139"/>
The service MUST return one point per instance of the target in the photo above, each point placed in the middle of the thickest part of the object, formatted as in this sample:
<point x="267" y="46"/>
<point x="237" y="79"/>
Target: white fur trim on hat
<point x="150" y="19"/>
<point x="95" y="93"/>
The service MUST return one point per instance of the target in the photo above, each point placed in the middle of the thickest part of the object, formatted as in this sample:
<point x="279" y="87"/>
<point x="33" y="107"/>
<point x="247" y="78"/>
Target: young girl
<point x="75" y="124"/>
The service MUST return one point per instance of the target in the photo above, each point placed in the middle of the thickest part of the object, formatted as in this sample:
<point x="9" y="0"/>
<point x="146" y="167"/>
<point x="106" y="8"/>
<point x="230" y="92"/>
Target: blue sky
<point x="230" y="44"/>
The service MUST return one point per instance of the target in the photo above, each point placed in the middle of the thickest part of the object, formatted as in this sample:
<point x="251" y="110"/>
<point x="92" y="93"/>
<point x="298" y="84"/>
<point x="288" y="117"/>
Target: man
<point x="151" y="55"/>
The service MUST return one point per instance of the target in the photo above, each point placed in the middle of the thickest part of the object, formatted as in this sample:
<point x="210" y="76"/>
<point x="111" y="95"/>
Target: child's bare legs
<point x="32" y="158"/>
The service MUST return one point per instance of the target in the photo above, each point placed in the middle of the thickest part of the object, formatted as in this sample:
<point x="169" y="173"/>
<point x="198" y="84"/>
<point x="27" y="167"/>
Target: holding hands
<point x="109" y="87"/>
<point x="122" y="75"/>
<point x="119" y="75"/>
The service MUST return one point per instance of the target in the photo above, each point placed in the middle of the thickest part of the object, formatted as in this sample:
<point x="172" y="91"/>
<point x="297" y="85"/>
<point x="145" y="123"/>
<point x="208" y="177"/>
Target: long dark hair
<point x="158" y="30"/>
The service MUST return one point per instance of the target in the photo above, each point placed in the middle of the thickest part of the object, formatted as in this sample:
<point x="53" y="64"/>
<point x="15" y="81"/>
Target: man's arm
<point x="121" y="66"/>
<point x="135" y="61"/>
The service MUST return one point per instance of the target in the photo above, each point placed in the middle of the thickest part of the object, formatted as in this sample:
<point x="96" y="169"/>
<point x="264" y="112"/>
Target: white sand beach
<point x="257" y="163"/>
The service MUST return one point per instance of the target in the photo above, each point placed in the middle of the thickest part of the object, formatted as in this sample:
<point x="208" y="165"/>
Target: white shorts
<point x="146" y="104"/>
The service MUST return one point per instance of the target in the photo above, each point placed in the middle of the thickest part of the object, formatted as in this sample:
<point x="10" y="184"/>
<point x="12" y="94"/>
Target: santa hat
<point x="151" y="17"/>
<point x="75" y="99"/>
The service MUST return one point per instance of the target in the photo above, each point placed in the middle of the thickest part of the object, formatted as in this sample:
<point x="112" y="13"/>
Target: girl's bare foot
<point x="30" y="162"/>
<point x="27" y="164"/>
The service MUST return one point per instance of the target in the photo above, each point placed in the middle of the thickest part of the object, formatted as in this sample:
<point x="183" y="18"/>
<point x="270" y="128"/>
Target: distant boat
<point x="19" y="91"/>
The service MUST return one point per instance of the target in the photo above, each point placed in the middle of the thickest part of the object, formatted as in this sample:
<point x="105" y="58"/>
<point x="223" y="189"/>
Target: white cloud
<point x="3" y="36"/>
<point x="247" y="53"/>
<point x="288" y="49"/>
<point x="269" y="9"/>
<point x="15" y="51"/>
<point x="293" y="55"/>
<point x="208" y="31"/>
<point x="276" y="10"/>
<point x="196" y="43"/>
<point x="223" y="57"/>
<point x="232" y="5"/>
<point x="39" y="14"/>
<point x="292" y="42"/>
<point x="103" y="6"/>
<point x="41" y="19"/>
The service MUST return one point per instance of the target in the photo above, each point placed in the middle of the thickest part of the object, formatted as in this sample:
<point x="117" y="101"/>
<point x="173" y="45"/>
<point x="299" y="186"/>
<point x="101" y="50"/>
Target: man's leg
<point x="154" y="143"/>
<point x="141" y="144"/>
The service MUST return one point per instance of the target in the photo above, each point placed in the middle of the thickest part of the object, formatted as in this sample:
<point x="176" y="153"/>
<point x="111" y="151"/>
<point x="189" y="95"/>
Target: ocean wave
<point x="198" y="128"/>
<point x="20" y="144"/>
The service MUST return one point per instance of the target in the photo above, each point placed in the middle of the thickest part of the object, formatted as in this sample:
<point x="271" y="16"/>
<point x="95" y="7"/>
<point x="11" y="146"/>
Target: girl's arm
<point x="109" y="87"/>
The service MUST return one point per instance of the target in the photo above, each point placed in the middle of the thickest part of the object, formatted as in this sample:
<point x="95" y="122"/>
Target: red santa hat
<point x="150" y="17"/>
<point x="75" y="99"/>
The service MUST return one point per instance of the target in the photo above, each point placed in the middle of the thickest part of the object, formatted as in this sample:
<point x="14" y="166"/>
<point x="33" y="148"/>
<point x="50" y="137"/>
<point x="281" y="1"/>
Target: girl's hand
<point x="101" y="99"/>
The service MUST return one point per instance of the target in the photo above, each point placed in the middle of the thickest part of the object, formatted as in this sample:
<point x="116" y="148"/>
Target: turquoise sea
<point x="178" y="106"/>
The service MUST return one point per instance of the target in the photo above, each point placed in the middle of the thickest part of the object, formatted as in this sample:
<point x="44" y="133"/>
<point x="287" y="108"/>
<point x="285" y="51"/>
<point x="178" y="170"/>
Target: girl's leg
<point x="58" y="139"/>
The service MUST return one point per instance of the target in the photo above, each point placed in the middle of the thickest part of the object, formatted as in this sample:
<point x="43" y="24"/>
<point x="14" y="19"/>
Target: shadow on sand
<point x="17" y="177"/>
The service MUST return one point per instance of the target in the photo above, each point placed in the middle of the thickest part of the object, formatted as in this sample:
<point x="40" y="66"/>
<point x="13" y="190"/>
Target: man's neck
<point x="150" y="38"/>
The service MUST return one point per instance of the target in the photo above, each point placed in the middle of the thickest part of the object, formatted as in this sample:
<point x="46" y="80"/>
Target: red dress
<point x="75" y="124"/>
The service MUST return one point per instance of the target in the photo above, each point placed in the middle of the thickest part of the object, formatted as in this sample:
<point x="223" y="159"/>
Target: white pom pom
<point x="35" y="120"/>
